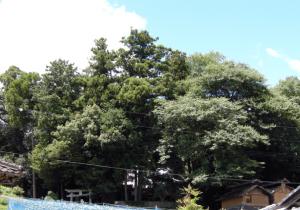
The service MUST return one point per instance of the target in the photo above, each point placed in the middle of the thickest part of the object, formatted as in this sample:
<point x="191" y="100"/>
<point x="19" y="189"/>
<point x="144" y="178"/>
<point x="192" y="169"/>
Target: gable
<point x="283" y="189"/>
<point x="257" y="197"/>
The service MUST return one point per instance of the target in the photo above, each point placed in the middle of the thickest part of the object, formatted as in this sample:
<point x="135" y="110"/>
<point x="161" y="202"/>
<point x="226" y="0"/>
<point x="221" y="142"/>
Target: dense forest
<point x="176" y="119"/>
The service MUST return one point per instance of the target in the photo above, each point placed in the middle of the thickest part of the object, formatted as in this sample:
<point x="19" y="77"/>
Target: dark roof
<point x="241" y="191"/>
<point x="247" y="183"/>
<point x="10" y="168"/>
<point x="275" y="185"/>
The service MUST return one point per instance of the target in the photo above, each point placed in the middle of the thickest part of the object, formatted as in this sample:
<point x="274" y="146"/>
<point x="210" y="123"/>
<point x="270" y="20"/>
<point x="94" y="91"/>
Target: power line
<point x="117" y="168"/>
<point x="225" y="178"/>
<point x="258" y="153"/>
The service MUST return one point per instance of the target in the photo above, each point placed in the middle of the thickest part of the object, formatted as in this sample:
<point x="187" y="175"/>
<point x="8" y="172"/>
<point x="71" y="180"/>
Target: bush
<point x="51" y="196"/>
<point x="3" y="201"/>
<point x="18" y="191"/>
<point x="189" y="201"/>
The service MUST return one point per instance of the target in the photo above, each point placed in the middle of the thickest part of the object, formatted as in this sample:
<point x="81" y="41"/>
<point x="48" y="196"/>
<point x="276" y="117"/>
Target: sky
<point x="263" y="34"/>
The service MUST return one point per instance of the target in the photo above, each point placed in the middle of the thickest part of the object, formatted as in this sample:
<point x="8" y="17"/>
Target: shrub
<point x="3" y="201"/>
<point x="51" y="196"/>
<point x="189" y="201"/>
<point x="18" y="191"/>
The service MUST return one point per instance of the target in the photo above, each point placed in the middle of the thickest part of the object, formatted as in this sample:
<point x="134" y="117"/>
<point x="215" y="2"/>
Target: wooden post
<point x="90" y="196"/>
<point x="136" y="180"/>
<point x="140" y="184"/>
<point x="71" y="197"/>
<point x="125" y="186"/>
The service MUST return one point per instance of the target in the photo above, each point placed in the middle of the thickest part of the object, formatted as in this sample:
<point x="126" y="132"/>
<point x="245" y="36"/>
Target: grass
<point x="3" y="207"/>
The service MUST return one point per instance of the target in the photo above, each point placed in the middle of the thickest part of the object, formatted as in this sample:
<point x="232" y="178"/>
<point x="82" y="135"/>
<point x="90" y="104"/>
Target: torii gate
<point x="77" y="193"/>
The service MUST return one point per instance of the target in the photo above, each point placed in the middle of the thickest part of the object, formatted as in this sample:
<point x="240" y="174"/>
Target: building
<point x="279" y="191"/>
<point x="254" y="195"/>
<point x="291" y="201"/>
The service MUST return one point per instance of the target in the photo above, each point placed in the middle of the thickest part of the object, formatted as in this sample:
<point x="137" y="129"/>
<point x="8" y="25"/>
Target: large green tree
<point x="210" y="136"/>
<point x="17" y="99"/>
<point x="54" y="97"/>
<point x="91" y="136"/>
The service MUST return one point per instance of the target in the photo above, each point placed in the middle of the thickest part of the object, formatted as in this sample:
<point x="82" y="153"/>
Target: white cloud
<point x="273" y="53"/>
<point x="35" y="32"/>
<point x="294" y="64"/>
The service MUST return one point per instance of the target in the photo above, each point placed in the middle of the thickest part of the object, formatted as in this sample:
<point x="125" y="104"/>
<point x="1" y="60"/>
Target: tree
<point x="10" y="75"/>
<point x="189" y="201"/>
<point x="147" y="71"/>
<point x="55" y="96"/>
<point x="18" y="100"/>
<point x="281" y="113"/>
<point x="17" y="106"/>
<point x="210" y="137"/>
<point x="230" y="80"/>
<point x="145" y="59"/>
<point x="102" y="61"/>
<point x="94" y="136"/>
<point x="198" y="63"/>
<point x="290" y="88"/>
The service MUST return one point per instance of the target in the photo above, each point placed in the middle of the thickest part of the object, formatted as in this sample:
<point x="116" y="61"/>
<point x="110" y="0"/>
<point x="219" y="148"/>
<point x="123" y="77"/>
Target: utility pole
<point x="125" y="186"/>
<point x="33" y="174"/>
<point x="136" y="181"/>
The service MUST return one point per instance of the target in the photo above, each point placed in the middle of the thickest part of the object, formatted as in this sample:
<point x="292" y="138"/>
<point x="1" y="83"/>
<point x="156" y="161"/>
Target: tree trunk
<point x="61" y="190"/>
<point x="189" y="165"/>
<point x="33" y="185"/>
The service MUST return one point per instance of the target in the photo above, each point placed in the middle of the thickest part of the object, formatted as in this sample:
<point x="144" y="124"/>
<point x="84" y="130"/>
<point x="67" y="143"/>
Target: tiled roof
<point x="10" y="168"/>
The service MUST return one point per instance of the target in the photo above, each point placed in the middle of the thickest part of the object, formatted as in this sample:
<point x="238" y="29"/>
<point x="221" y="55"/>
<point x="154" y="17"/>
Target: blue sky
<point x="241" y="30"/>
<point x="261" y="33"/>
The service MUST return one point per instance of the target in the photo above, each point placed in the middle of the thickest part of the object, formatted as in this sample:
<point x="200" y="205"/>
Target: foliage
<point x="230" y="80"/>
<point x="211" y="130"/>
<point x="18" y="191"/>
<point x="3" y="202"/>
<point x="86" y="137"/>
<point x="189" y="201"/>
<point x="18" y="96"/>
<point x="151" y="107"/>
<point x="10" y="192"/>
<point x="198" y="63"/>
<point x="55" y="96"/>
<point x="51" y="196"/>
<point x="290" y="87"/>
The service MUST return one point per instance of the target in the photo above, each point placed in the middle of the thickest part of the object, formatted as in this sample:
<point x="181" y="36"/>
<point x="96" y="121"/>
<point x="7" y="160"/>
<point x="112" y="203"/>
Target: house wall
<point x="254" y="198"/>
<point x="232" y="202"/>
<point x="257" y="197"/>
<point x="281" y="192"/>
